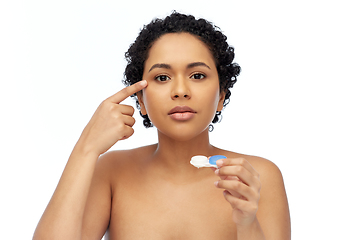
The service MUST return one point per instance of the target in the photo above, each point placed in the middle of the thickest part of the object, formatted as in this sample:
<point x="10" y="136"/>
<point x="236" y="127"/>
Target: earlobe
<point x="221" y="101"/>
<point x="141" y="103"/>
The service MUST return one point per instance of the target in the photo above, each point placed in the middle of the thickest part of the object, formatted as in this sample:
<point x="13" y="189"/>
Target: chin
<point x="184" y="134"/>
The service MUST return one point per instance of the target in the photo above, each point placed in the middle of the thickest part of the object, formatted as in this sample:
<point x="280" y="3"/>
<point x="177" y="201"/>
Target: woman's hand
<point x="111" y="121"/>
<point x="242" y="188"/>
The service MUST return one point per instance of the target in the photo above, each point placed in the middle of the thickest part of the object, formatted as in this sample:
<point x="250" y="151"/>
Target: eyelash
<point x="159" y="76"/>
<point x="202" y="76"/>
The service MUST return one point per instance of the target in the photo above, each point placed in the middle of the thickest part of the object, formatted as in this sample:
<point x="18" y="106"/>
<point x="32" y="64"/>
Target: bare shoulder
<point x="125" y="158"/>
<point x="110" y="169"/>
<point x="264" y="167"/>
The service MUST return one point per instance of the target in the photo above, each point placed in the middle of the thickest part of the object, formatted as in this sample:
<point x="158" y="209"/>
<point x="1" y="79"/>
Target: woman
<point x="153" y="192"/>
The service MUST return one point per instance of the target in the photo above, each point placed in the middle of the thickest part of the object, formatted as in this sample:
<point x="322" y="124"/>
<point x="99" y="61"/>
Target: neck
<point x="176" y="155"/>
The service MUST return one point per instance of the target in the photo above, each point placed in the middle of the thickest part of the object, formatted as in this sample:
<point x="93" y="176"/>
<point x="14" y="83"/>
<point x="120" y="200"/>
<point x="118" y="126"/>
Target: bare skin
<point x="183" y="204"/>
<point x="153" y="192"/>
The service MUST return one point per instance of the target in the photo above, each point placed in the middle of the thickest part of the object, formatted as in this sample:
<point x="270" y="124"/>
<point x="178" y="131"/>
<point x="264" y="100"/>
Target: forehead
<point x="179" y="48"/>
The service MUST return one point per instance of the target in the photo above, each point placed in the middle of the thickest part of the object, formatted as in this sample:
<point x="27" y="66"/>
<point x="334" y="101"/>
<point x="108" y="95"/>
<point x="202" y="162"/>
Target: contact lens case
<point x="202" y="161"/>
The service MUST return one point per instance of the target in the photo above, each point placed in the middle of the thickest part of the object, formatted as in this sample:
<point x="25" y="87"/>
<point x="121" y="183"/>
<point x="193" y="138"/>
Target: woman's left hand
<point x="242" y="188"/>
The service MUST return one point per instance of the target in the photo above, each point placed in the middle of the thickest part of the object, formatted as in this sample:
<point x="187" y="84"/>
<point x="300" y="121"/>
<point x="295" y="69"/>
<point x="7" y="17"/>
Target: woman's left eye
<point x="198" y="76"/>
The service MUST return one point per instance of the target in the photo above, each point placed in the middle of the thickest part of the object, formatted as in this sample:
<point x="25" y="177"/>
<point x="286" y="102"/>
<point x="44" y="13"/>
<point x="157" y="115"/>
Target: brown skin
<point x="153" y="192"/>
<point x="162" y="204"/>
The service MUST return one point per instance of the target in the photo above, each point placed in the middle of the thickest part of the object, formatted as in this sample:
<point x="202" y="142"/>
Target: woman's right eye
<point x="162" y="78"/>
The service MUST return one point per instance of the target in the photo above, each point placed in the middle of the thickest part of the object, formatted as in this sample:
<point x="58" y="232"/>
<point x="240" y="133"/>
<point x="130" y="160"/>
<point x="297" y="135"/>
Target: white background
<point x="296" y="101"/>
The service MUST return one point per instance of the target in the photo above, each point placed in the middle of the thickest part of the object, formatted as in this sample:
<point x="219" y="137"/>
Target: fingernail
<point x="219" y="163"/>
<point x="216" y="183"/>
<point x="217" y="171"/>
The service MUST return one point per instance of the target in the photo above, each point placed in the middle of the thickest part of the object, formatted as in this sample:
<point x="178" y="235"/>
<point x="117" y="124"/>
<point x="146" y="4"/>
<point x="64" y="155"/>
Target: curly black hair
<point x="176" y="23"/>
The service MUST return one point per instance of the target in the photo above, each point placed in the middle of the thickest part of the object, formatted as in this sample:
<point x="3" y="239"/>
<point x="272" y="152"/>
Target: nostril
<point x="181" y="96"/>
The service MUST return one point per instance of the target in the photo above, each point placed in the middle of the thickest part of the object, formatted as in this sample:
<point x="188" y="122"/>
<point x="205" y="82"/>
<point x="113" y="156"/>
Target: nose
<point x="180" y="89"/>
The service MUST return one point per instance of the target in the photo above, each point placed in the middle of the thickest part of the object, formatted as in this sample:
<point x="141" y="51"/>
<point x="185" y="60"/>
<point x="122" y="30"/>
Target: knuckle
<point x="258" y="198"/>
<point x="242" y="161"/>
<point x="116" y="115"/>
<point x="259" y="185"/>
<point x="238" y="186"/>
<point x="108" y="106"/>
<point x="257" y="175"/>
<point x="253" y="193"/>
<point x="239" y="169"/>
<point x="253" y="207"/>
<point x="112" y="109"/>
<point x="121" y="128"/>
<point x="238" y="204"/>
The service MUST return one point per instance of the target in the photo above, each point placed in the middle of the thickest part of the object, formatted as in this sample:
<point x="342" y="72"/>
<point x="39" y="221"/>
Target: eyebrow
<point x="190" y="65"/>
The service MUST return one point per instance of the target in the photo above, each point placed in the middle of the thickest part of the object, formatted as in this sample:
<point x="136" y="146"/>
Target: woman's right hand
<point x="111" y="122"/>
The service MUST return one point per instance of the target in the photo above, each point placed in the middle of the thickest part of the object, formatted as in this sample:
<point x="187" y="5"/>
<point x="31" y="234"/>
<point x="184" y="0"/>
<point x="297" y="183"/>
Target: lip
<point x="182" y="113"/>
<point x="181" y="109"/>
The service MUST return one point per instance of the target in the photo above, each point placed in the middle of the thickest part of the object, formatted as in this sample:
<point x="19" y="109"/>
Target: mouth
<point x="182" y="113"/>
<point x="181" y="109"/>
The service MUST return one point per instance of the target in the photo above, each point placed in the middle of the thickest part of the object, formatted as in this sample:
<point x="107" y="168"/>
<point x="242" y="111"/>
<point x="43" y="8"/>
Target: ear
<point x="139" y="96"/>
<point x="221" y="101"/>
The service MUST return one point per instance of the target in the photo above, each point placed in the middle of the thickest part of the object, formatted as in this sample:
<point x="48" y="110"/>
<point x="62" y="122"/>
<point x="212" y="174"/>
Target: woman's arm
<point x="273" y="213"/>
<point x="111" y="122"/>
<point x="97" y="212"/>
<point x="62" y="218"/>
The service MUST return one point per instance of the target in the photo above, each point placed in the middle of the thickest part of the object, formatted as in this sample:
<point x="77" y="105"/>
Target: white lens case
<point x="201" y="161"/>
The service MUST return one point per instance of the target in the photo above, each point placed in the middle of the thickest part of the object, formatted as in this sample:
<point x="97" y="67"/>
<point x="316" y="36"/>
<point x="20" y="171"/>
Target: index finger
<point x="128" y="91"/>
<point x="238" y="162"/>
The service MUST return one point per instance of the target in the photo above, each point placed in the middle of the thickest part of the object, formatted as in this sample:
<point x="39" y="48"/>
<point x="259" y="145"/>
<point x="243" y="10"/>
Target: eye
<point x="162" y="78"/>
<point x="198" y="76"/>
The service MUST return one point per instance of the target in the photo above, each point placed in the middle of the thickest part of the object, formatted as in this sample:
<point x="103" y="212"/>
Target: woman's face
<point x="183" y="93"/>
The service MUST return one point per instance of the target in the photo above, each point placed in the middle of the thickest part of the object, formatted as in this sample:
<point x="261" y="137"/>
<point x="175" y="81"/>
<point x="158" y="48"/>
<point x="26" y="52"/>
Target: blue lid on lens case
<point x="213" y="159"/>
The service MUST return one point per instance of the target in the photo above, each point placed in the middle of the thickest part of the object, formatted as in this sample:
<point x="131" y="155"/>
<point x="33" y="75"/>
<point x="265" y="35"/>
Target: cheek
<point x="153" y="98"/>
<point x="210" y="95"/>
